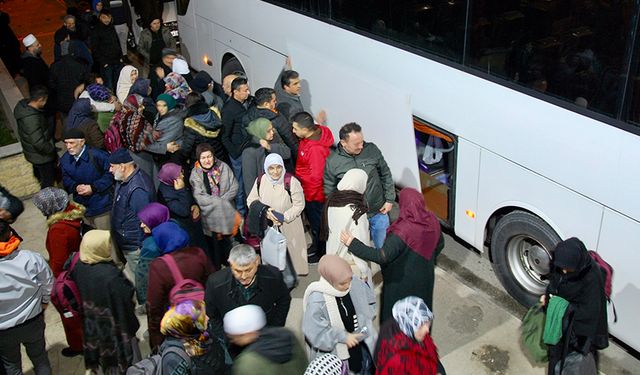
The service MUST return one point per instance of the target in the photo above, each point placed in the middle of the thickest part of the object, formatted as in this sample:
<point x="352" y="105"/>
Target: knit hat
<point x="154" y="214"/>
<point x="244" y="319"/>
<point x="411" y="313"/>
<point x="201" y="81"/>
<point x="29" y="40"/>
<point x="51" y="200"/>
<point x="98" y="92"/>
<point x="180" y="66"/>
<point x="168" y="173"/>
<point x="73" y="133"/>
<point x="120" y="156"/>
<point x="170" y="237"/>
<point x="326" y="364"/>
<point x="168" y="99"/>
<point x="169" y="52"/>
<point x="258" y="127"/>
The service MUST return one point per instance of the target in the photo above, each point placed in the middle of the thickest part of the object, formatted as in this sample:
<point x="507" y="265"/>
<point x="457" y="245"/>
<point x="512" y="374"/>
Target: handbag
<point x="577" y="364"/>
<point x="532" y="331"/>
<point x="273" y="248"/>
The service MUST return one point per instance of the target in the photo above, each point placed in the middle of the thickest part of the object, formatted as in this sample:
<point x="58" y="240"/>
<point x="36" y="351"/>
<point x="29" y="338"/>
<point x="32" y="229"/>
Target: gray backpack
<point x="153" y="364"/>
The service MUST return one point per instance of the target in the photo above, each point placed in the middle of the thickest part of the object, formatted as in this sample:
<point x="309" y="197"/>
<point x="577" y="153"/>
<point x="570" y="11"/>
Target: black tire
<point x="232" y="65"/>
<point x="521" y="248"/>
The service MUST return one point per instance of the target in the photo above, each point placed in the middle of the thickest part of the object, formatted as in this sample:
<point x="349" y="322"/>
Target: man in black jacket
<point x="234" y="136"/>
<point x="265" y="106"/>
<point x="37" y="143"/>
<point x="34" y="69"/>
<point x="106" y="49"/>
<point x="245" y="282"/>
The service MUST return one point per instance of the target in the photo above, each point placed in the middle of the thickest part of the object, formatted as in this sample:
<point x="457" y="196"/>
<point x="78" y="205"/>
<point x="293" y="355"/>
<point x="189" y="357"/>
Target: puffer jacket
<point x="131" y="196"/>
<point x="205" y="126"/>
<point x="380" y="186"/>
<point x="312" y="155"/>
<point x="37" y="144"/>
<point x="280" y="123"/>
<point x="63" y="236"/>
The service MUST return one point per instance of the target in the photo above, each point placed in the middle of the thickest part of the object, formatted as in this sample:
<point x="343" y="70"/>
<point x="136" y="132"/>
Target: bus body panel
<point x="466" y="190"/>
<point x="514" y="150"/>
<point x="619" y="243"/>
<point x="504" y="184"/>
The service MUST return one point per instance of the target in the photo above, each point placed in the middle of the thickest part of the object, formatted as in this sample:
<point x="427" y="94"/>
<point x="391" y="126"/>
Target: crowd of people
<point x="160" y="204"/>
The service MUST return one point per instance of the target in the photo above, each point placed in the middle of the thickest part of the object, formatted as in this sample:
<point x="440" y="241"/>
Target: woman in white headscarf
<point x="346" y="210"/>
<point x="282" y="192"/>
<point x="128" y="76"/>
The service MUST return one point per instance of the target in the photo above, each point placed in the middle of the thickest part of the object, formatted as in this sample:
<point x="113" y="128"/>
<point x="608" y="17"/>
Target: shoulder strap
<point x="179" y="351"/>
<point x="287" y="183"/>
<point x="74" y="260"/>
<point x="173" y="267"/>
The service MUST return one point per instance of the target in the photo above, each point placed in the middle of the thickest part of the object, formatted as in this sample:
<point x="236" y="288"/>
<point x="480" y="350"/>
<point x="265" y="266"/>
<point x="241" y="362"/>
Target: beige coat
<point x="276" y="197"/>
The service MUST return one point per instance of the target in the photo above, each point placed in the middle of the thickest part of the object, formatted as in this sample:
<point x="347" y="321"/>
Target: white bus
<point x="534" y="104"/>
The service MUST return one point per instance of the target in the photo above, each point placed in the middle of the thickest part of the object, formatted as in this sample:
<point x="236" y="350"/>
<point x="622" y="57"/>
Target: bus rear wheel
<point x="521" y="249"/>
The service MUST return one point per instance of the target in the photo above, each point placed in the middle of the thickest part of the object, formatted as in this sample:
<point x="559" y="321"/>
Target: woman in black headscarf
<point x="578" y="279"/>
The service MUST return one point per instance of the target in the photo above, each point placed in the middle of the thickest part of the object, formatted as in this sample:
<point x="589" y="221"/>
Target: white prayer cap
<point x="180" y="66"/>
<point x="244" y="319"/>
<point x="29" y="40"/>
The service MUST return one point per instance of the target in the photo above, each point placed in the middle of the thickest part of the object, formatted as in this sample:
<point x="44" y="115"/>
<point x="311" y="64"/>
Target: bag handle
<point x="173" y="267"/>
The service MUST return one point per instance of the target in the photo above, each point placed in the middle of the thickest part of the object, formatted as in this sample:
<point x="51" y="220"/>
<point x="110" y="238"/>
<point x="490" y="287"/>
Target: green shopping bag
<point x="532" y="332"/>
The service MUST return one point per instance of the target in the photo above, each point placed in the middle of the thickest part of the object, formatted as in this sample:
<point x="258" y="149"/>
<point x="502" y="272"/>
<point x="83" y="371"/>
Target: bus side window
<point x="182" y="6"/>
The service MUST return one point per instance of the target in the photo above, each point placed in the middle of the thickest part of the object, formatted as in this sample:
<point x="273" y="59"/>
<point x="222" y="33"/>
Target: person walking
<point x="27" y="282"/>
<point x="36" y="140"/>
<point x="405" y="345"/>
<point x="108" y="314"/>
<point x="414" y="241"/>
<point x="338" y="313"/>
<point x="271" y="189"/>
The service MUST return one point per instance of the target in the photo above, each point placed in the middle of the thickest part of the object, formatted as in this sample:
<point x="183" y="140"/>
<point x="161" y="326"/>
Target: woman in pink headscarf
<point x="339" y="310"/>
<point x="407" y="257"/>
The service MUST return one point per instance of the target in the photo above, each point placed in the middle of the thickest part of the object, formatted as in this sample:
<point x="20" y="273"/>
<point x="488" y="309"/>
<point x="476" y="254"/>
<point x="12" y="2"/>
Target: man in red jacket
<point x="315" y="143"/>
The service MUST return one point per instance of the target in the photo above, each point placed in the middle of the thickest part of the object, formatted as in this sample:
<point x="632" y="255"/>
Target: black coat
<point x="222" y="295"/>
<point x="66" y="74"/>
<point x="157" y="83"/>
<point x="234" y="137"/>
<point x="35" y="70"/>
<point x="105" y="45"/>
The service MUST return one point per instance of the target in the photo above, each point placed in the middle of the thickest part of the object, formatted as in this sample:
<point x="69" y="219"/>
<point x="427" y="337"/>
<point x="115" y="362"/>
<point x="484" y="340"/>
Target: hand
<point x="117" y="106"/>
<point x="172" y="147"/>
<point x="195" y="212"/>
<point x="353" y="339"/>
<point x="113" y="99"/>
<point x="543" y="299"/>
<point x="178" y="184"/>
<point x="140" y="109"/>
<point x="84" y="190"/>
<point x="265" y="145"/>
<point x="386" y="207"/>
<point x="273" y="218"/>
<point x="321" y="118"/>
<point x="287" y="63"/>
<point x="160" y="72"/>
<point x="5" y="215"/>
<point x="346" y="237"/>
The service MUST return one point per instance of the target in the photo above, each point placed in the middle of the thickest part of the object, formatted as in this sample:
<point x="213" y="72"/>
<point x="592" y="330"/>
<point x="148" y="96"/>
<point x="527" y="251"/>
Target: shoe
<point x="141" y="310"/>
<point x="313" y="259"/>
<point x="68" y="352"/>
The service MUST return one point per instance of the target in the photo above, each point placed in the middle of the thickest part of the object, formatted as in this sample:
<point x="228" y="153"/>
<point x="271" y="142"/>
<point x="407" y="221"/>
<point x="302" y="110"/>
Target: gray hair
<point x="68" y="17"/>
<point x="242" y="255"/>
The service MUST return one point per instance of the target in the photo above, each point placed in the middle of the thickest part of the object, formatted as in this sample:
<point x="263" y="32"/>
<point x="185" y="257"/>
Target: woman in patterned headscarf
<point x="187" y="331"/>
<point x="404" y="345"/>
